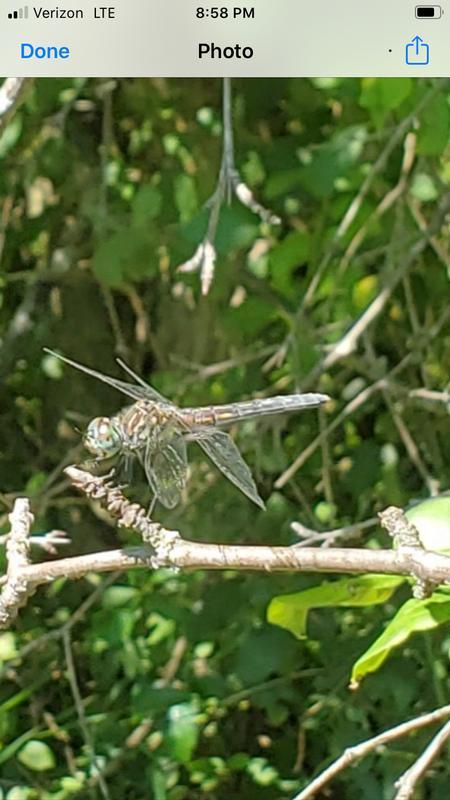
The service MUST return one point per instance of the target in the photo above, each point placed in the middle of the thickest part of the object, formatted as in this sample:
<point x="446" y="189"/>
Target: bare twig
<point x="408" y="782"/>
<point x="72" y="676"/>
<point x="12" y="93"/>
<point x="129" y="515"/>
<point x="411" y="447"/>
<point x="49" y="542"/>
<point x="229" y="183"/>
<point x="165" y="548"/>
<point x="359" y="751"/>
<point x="17" y="588"/>
<point x="391" y="197"/>
<point x="407" y="539"/>
<point x="378" y="166"/>
<point x="431" y="396"/>
<point x="171" y="668"/>
<point x="355" y="403"/>
<point x="350" y="340"/>
<point x="442" y="254"/>
<point x="58" y="633"/>
<point x="327" y="538"/>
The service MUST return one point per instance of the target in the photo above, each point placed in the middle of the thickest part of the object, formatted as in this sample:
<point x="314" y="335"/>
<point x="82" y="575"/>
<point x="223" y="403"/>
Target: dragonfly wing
<point x="166" y="470"/>
<point x="142" y="392"/>
<point x="221" y="449"/>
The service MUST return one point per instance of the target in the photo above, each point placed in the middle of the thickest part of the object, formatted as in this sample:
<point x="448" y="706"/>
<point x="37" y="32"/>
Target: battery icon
<point x="429" y="12"/>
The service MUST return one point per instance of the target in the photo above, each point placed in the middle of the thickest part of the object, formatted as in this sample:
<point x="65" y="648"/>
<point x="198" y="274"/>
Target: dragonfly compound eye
<point x="102" y="438"/>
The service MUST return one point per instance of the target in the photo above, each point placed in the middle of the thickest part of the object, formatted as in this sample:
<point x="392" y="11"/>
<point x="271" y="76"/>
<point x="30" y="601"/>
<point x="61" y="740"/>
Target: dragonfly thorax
<point x="102" y="438"/>
<point x="144" y="425"/>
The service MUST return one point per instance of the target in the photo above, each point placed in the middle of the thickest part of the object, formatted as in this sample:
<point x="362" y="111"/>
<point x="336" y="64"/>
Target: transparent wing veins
<point x="222" y="451"/>
<point x="166" y="471"/>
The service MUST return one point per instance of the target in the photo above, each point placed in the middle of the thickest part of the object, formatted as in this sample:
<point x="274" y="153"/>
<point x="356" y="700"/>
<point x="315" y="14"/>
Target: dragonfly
<point x="156" y="432"/>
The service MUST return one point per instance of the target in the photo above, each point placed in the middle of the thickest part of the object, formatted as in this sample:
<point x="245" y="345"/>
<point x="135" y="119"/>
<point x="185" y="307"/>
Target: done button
<point x="40" y="51"/>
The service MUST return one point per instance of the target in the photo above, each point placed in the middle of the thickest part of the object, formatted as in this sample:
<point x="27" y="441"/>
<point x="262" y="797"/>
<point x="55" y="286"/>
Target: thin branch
<point x="359" y="751"/>
<point x="439" y="249"/>
<point x="17" y="588"/>
<point x="72" y="676"/>
<point x="378" y="166"/>
<point x="355" y="403"/>
<point x="58" y="633"/>
<point x="327" y="538"/>
<point x="411" y="447"/>
<point x="391" y="197"/>
<point x="350" y="340"/>
<point x="431" y="396"/>
<point x="164" y="548"/>
<point x="409" y="780"/>
<point x="49" y="542"/>
<point x="349" y="343"/>
<point x="12" y="93"/>
<point x="229" y="182"/>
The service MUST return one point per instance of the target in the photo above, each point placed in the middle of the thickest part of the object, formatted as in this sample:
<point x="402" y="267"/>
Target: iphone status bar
<point x="254" y="39"/>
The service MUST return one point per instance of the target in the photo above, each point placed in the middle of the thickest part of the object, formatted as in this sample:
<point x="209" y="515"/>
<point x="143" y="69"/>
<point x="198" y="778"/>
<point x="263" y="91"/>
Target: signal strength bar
<point x="21" y="13"/>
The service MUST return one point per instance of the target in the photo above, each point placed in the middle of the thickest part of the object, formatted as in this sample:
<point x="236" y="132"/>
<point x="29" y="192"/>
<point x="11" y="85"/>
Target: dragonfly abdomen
<point x="234" y="412"/>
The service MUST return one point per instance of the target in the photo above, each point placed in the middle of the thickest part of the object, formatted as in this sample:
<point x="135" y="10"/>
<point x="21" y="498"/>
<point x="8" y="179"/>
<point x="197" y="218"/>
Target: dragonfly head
<point x="102" y="438"/>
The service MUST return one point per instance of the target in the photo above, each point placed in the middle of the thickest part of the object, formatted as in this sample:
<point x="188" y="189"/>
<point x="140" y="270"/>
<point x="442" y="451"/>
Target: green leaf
<point x="35" y="483"/>
<point x="115" y="629"/>
<point x="382" y="95"/>
<point x="8" y="646"/>
<point x="110" y="259"/>
<point x="161" y="628"/>
<point x="264" y="652"/>
<point x="250" y="317"/>
<point x="126" y="255"/>
<point x="146" y="205"/>
<point x="433" y="134"/>
<point x="288" y="254"/>
<point x="237" y="228"/>
<point x="282" y="181"/>
<point x="37" y="756"/>
<point x="261" y="771"/>
<point x="21" y="793"/>
<point x="322" y="166"/>
<point x="148" y="700"/>
<point x="185" y="196"/>
<point x="364" y="291"/>
<point x="424" y="188"/>
<point x="365" y="468"/>
<point x="10" y="135"/>
<point x="413" y="616"/>
<point x="182" y="731"/>
<point x="290" y="611"/>
<point x="432" y="520"/>
<point x="115" y="596"/>
<point x="331" y="161"/>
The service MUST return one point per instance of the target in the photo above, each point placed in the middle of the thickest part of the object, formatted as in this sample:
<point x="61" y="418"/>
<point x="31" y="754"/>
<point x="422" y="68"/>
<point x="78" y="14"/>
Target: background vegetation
<point x="187" y="691"/>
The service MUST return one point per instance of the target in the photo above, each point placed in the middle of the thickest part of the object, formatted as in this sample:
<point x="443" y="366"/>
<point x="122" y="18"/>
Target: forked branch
<point x="166" y="548"/>
<point x="229" y="183"/>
